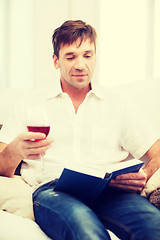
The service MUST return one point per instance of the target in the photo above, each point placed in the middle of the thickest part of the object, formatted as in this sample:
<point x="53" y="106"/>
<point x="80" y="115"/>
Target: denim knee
<point x="150" y="225"/>
<point x="62" y="216"/>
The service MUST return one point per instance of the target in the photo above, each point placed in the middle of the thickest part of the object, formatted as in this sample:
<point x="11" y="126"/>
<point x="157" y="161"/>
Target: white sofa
<point x="144" y="95"/>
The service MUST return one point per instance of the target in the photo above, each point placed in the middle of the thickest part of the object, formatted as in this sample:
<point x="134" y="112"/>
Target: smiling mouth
<point x="79" y="75"/>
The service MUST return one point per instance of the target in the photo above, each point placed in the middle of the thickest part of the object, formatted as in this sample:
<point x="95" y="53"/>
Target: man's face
<point x="76" y="63"/>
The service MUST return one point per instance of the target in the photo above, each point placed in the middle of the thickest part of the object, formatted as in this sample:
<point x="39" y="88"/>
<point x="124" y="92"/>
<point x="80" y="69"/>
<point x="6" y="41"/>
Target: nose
<point x="79" y="64"/>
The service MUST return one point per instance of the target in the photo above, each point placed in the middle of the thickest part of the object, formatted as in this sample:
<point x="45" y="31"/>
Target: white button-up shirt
<point x="94" y="140"/>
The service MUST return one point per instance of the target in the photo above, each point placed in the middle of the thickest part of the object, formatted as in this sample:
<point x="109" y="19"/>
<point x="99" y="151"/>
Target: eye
<point x="70" y="58"/>
<point x="88" y="56"/>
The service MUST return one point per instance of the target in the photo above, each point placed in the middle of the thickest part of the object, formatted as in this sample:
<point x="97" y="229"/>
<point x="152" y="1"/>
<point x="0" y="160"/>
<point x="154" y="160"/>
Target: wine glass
<point x="41" y="129"/>
<point x="37" y="121"/>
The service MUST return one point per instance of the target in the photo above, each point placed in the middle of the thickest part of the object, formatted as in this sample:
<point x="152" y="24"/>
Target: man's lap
<point x="121" y="212"/>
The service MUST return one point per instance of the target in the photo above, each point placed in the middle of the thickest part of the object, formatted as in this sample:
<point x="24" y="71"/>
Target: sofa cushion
<point x="152" y="184"/>
<point x="14" y="227"/>
<point x="16" y="197"/>
<point x="154" y="198"/>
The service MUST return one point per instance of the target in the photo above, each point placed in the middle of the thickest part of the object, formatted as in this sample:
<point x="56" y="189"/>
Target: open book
<point x="87" y="187"/>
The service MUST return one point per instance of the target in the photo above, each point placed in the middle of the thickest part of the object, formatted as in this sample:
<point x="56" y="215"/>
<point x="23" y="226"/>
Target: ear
<point x="55" y="61"/>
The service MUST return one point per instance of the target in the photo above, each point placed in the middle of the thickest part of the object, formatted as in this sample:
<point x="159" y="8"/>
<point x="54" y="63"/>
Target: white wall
<point x="3" y="42"/>
<point x="20" y="43"/>
<point x="127" y="48"/>
<point x="128" y="39"/>
<point x="47" y="16"/>
<point x="26" y="28"/>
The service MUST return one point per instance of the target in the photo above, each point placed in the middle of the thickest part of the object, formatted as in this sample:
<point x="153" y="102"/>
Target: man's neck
<point x="77" y="95"/>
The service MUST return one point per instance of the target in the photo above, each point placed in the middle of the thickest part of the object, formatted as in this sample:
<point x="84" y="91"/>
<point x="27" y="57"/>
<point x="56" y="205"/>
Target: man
<point x="91" y="133"/>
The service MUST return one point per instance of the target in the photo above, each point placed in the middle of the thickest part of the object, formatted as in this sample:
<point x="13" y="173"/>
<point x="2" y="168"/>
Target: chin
<point x="82" y="84"/>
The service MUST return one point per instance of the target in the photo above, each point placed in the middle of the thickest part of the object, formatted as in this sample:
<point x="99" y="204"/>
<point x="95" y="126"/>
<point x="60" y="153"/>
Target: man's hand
<point x="22" y="147"/>
<point x="130" y="182"/>
<point x="27" y="148"/>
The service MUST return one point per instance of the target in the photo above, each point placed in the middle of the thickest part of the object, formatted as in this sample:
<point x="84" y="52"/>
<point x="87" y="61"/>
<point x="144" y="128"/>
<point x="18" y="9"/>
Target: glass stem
<point x="42" y="159"/>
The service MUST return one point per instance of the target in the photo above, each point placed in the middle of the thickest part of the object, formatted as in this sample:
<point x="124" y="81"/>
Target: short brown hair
<point x="70" y="31"/>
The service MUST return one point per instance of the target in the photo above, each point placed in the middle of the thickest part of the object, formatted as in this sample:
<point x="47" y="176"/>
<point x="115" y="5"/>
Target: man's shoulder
<point x="108" y="93"/>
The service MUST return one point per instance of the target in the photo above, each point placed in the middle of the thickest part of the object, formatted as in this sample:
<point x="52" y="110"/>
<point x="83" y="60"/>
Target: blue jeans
<point x="63" y="217"/>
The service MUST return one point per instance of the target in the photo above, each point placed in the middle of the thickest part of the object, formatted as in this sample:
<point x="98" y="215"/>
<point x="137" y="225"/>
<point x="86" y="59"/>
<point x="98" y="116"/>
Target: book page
<point x="124" y="164"/>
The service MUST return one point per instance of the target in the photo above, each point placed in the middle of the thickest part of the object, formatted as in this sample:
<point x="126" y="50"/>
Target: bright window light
<point x="157" y="40"/>
<point x="123" y="31"/>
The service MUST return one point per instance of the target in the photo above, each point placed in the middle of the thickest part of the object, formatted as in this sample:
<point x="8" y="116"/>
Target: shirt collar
<point x="54" y="90"/>
<point x="96" y="90"/>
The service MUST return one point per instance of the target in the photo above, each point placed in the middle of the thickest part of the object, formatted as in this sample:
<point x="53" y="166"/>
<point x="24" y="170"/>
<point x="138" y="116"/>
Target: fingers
<point x="140" y="175"/>
<point x="129" y="182"/>
<point x="32" y="136"/>
<point x="129" y="185"/>
<point x="132" y="182"/>
<point x="132" y="189"/>
<point x="35" y="153"/>
<point x="28" y="148"/>
<point x="37" y="144"/>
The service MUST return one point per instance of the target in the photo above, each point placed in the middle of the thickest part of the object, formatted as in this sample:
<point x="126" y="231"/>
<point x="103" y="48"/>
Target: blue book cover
<point x="87" y="187"/>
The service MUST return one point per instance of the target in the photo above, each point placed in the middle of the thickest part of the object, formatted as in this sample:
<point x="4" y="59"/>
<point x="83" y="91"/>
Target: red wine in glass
<point x="41" y="129"/>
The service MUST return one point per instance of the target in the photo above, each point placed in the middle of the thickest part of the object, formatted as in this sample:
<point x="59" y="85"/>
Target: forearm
<point x="152" y="166"/>
<point x="8" y="160"/>
<point x="154" y="155"/>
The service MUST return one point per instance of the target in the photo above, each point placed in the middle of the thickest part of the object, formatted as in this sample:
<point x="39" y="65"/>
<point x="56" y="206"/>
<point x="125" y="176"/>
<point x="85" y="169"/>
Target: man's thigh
<point x="62" y="216"/>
